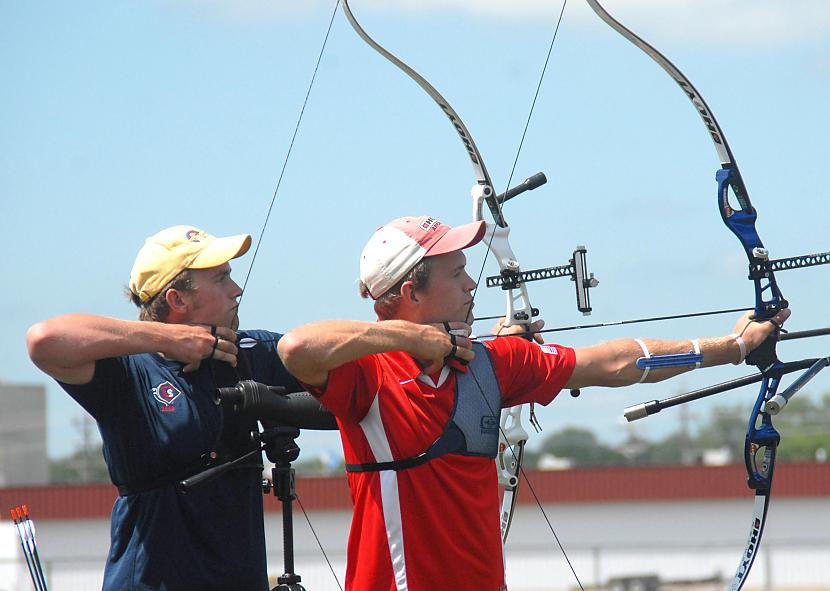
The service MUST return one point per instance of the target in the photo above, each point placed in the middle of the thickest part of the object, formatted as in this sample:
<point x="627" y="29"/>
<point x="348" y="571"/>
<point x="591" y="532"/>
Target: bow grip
<point x="512" y="437"/>
<point x="765" y="355"/>
<point x="766" y="438"/>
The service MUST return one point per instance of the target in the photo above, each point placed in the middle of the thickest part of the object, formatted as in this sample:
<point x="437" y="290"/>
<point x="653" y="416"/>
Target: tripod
<point x="281" y="448"/>
<point x="271" y="406"/>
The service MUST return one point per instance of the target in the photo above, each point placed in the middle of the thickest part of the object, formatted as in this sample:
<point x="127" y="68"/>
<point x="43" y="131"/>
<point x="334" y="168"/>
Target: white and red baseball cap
<point x="397" y="247"/>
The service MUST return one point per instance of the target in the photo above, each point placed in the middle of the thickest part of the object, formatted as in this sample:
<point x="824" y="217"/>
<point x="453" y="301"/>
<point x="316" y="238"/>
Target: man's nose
<point x="471" y="284"/>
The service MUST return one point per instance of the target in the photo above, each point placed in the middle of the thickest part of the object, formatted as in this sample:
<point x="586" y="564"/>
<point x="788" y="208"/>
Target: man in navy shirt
<point x="150" y="385"/>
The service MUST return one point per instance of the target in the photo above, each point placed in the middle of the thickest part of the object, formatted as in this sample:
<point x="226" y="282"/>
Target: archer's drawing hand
<point x="533" y="329"/>
<point x="191" y="344"/>
<point x="443" y="342"/>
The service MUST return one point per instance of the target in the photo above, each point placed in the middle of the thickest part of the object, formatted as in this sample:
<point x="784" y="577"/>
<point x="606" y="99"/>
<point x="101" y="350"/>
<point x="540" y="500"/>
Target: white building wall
<point x="23" y="458"/>
<point x="673" y="540"/>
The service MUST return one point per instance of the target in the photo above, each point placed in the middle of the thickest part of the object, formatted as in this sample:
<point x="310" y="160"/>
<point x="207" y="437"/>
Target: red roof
<point x="583" y="485"/>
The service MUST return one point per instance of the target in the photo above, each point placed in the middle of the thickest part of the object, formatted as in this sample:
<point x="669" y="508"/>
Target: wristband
<point x="646" y="355"/>
<point x="741" y="346"/>
<point x="696" y="345"/>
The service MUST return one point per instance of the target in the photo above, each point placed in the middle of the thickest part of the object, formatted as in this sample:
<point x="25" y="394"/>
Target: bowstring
<point x="290" y="147"/>
<point x="268" y="217"/>
<point x="522" y="140"/>
<point x="314" y="533"/>
<point x="521" y="470"/>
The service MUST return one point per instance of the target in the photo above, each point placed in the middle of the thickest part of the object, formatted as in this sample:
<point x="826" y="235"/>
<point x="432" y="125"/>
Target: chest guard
<point x="473" y="426"/>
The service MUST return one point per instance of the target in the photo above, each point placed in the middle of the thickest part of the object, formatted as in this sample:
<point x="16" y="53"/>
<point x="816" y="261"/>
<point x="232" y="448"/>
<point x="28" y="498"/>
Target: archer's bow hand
<point x="755" y="333"/>
<point x="524" y="330"/>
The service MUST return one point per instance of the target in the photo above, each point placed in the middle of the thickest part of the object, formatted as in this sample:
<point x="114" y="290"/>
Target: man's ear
<point x="175" y="301"/>
<point x="409" y="293"/>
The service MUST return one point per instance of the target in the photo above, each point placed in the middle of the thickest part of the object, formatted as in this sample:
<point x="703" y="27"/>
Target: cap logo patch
<point x="166" y="393"/>
<point x="430" y="224"/>
<point x="193" y="235"/>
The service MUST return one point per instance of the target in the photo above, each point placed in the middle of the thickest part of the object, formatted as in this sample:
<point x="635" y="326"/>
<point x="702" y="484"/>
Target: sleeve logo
<point x="166" y="393"/>
<point x="549" y="349"/>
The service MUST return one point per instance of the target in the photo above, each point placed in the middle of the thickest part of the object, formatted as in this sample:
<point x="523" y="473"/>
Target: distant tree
<point x="804" y="448"/>
<point x="725" y="428"/>
<point x="582" y="448"/>
<point x="84" y="465"/>
<point x="635" y="449"/>
<point x="804" y="425"/>
<point x="319" y="465"/>
<point x="672" y="450"/>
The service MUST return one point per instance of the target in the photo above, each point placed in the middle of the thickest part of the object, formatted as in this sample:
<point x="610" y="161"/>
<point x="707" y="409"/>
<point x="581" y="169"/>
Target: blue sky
<point x="119" y="119"/>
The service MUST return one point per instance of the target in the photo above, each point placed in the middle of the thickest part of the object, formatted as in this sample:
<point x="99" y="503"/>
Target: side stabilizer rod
<point x="775" y="404"/>
<point x="645" y="409"/>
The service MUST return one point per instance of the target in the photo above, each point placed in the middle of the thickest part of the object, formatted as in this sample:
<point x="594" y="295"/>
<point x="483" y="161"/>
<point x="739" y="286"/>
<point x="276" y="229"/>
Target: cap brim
<point x="221" y="250"/>
<point x="458" y="238"/>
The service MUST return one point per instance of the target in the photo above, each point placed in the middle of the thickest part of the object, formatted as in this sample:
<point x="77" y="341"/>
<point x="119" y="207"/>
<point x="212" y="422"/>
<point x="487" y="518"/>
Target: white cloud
<point x="747" y="24"/>
<point x="739" y="23"/>
<point x="744" y="23"/>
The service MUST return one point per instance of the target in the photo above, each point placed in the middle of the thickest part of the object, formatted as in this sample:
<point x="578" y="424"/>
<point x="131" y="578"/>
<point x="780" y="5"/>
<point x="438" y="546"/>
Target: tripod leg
<point x="284" y="489"/>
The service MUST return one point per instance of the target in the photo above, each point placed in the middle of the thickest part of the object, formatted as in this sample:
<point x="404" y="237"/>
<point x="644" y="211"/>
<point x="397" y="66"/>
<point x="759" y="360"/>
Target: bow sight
<point x="511" y="277"/>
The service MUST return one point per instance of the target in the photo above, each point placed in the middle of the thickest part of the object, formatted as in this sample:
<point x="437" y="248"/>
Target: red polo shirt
<point x="435" y="526"/>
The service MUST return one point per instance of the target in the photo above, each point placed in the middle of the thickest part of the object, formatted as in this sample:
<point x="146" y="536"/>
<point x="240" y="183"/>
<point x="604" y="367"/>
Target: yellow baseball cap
<point x="171" y="251"/>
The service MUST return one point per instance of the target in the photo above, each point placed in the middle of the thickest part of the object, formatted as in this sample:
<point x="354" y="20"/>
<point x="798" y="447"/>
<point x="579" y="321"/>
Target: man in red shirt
<point x="417" y="405"/>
